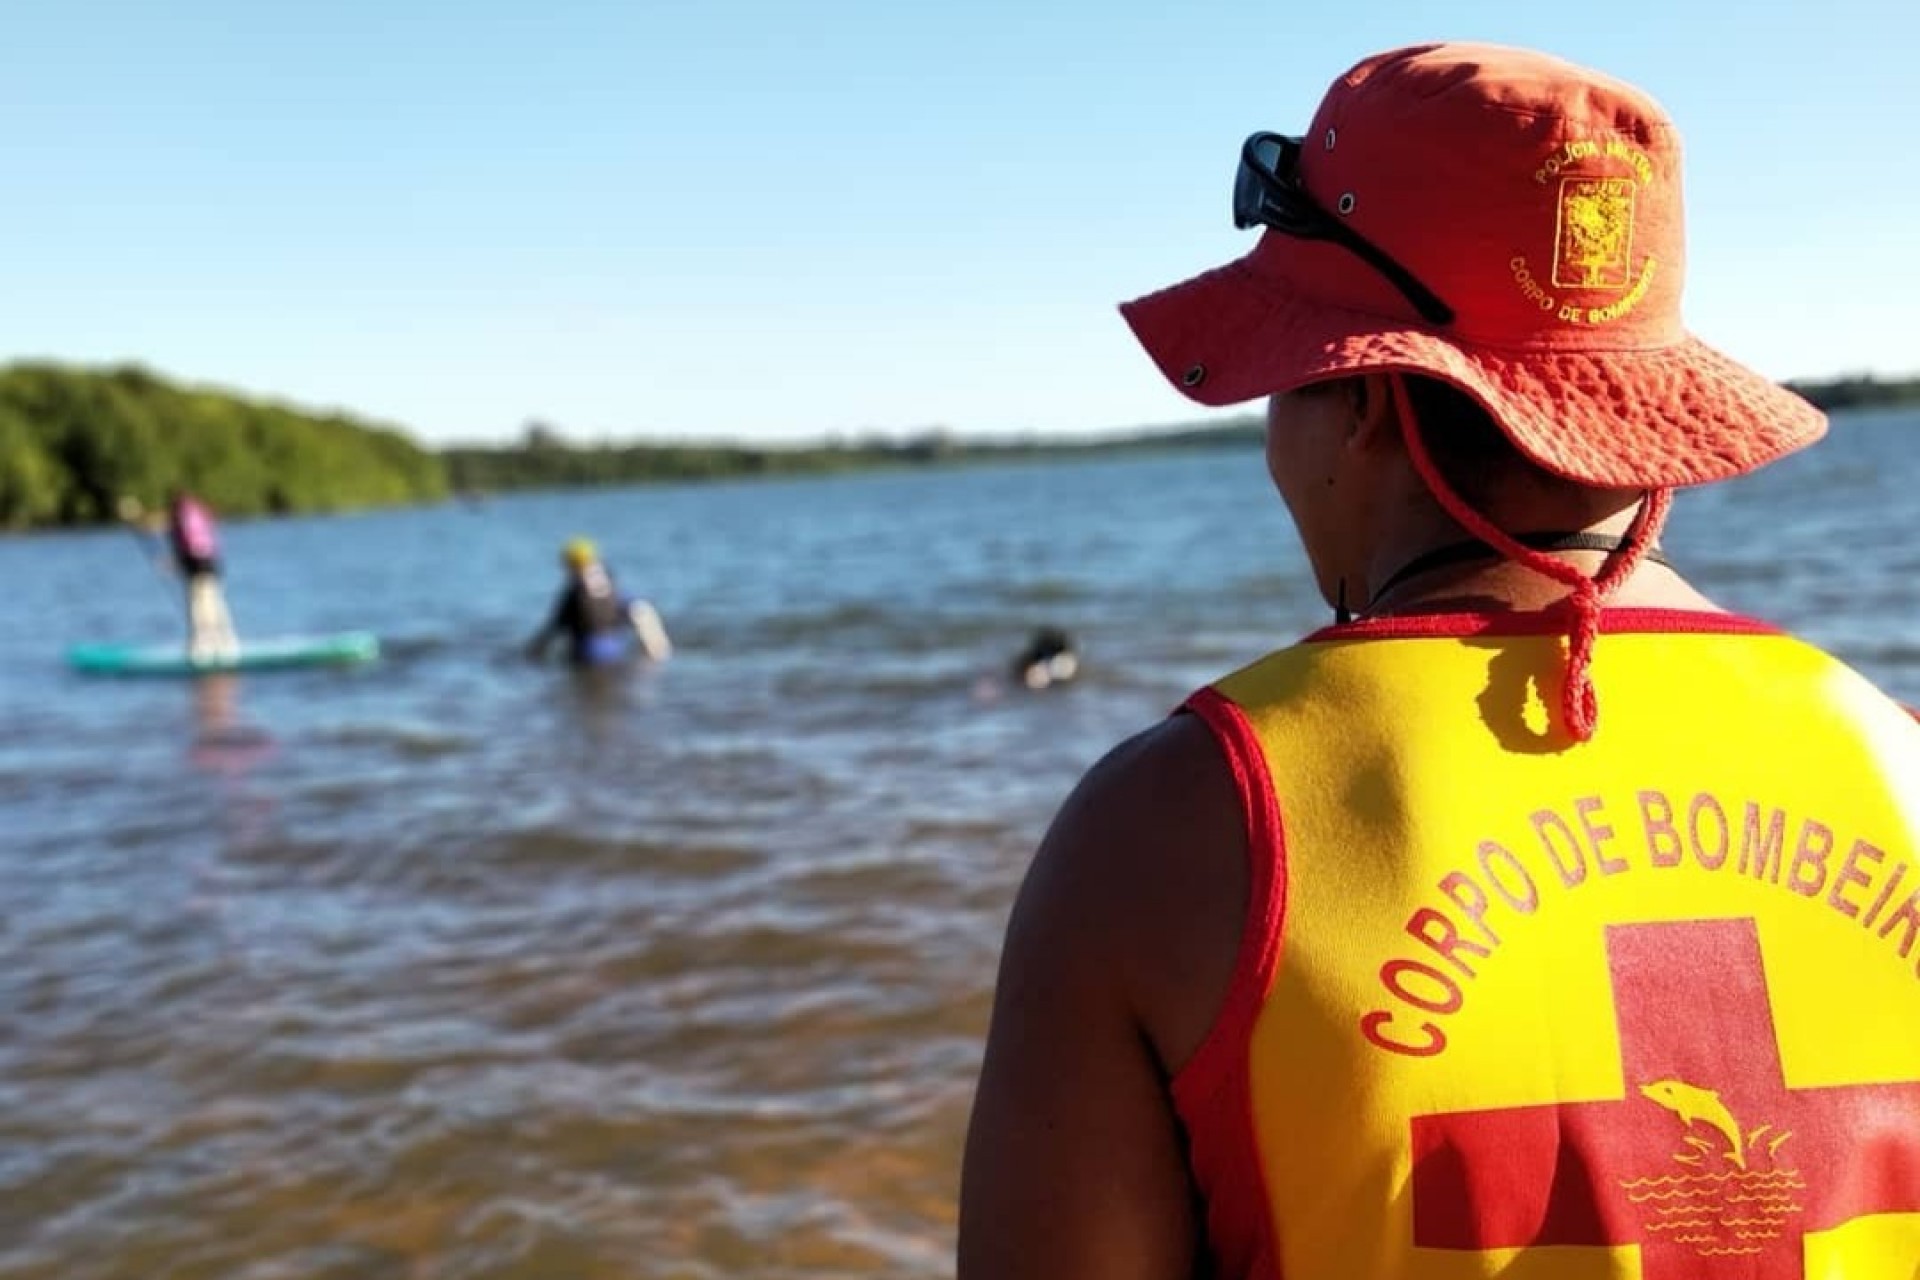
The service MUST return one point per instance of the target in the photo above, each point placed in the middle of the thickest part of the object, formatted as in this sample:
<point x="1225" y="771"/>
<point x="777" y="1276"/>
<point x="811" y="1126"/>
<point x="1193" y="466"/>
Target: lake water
<point x="456" y="966"/>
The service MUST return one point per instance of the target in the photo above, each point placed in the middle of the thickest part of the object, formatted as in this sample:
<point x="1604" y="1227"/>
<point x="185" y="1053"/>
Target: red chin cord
<point x="1579" y="705"/>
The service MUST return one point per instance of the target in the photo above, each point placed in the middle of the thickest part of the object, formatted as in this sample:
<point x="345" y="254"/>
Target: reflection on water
<point x="224" y="746"/>
<point x="459" y="966"/>
<point x="223" y="742"/>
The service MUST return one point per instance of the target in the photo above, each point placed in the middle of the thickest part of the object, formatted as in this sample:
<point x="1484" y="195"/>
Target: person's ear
<point x="1373" y="420"/>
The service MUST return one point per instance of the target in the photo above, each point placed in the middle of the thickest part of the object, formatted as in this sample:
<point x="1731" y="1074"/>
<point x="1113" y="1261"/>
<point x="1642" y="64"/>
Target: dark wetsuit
<point x="593" y="617"/>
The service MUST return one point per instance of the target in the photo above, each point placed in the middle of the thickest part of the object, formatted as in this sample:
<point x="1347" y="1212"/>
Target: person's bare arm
<point x="1120" y="947"/>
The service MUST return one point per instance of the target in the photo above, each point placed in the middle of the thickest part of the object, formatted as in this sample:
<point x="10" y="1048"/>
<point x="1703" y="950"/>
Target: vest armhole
<point x="1213" y="1091"/>
<point x="1222" y="1054"/>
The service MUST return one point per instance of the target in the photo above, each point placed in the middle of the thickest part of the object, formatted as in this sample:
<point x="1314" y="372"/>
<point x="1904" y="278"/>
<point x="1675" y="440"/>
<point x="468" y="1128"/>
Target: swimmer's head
<point x="579" y="553"/>
<point x="1050" y="658"/>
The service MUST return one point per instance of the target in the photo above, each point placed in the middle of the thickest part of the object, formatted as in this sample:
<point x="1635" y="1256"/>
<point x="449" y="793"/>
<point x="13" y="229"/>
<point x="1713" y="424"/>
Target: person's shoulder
<point x="1159" y="781"/>
<point x="1843" y="687"/>
<point x="1144" y="877"/>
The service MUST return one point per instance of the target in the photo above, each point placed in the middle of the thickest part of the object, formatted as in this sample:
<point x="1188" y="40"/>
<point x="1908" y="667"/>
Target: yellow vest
<point x="1643" y="1007"/>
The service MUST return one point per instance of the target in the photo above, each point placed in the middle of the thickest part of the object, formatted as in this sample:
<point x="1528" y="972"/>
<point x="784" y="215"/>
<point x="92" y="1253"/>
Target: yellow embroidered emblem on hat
<point x="1593" y="246"/>
<point x="1593" y="234"/>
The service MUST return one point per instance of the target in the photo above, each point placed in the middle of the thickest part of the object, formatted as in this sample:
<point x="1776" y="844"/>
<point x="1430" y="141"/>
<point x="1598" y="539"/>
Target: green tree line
<point x="74" y="443"/>
<point x="541" y="460"/>
<point x="1861" y="391"/>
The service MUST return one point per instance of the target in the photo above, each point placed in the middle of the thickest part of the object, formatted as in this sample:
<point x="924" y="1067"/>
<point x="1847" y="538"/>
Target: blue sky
<point x="759" y="220"/>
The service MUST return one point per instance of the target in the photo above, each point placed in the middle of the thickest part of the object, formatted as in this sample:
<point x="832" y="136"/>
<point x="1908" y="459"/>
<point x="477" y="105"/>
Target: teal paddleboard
<point x="276" y="653"/>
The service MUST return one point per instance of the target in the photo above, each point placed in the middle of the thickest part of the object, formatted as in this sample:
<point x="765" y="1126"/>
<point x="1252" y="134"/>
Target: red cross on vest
<point x="1710" y="1163"/>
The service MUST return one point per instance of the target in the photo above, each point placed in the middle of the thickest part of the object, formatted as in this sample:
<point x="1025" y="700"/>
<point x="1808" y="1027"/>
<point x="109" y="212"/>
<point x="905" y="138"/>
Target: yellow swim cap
<point x="579" y="552"/>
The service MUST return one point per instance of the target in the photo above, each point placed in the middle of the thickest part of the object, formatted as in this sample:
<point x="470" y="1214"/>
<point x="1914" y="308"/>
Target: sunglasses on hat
<point x="1267" y="192"/>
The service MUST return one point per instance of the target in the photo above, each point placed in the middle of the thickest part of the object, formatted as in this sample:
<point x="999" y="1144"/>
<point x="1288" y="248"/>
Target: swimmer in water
<point x="1050" y="658"/>
<point x="601" y="625"/>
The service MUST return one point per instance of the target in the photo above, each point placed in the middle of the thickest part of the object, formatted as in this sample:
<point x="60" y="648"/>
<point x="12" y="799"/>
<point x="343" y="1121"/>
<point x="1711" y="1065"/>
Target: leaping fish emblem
<point x="1695" y="1105"/>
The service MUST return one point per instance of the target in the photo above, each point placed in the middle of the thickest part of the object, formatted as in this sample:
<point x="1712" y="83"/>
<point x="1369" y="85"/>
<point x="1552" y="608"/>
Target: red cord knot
<point x="1579" y="703"/>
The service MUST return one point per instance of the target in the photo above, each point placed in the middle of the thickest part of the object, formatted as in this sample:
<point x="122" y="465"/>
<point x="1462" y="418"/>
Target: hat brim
<point x="1664" y="417"/>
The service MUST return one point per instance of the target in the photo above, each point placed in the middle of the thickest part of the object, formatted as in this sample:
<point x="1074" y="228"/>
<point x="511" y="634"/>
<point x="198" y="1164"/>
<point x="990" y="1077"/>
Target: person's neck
<point x="1492" y="583"/>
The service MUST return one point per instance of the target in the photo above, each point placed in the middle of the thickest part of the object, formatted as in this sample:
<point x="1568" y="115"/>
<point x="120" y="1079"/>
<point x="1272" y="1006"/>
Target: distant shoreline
<point x="74" y="442"/>
<point x="1861" y="391"/>
<point x="543" y="461"/>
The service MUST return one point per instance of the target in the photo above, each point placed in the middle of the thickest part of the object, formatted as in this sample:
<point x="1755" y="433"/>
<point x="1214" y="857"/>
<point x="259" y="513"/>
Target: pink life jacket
<point x="193" y="530"/>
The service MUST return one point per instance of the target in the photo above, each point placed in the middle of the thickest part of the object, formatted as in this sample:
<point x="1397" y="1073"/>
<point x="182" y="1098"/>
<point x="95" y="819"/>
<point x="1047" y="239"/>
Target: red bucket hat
<point x="1540" y="203"/>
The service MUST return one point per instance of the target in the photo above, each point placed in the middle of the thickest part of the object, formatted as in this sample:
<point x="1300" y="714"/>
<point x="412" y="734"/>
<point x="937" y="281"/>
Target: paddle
<point x="649" y="630"/>
<point x="133" y="516"/>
